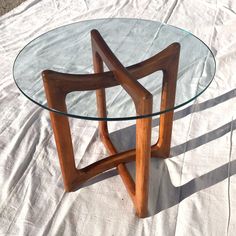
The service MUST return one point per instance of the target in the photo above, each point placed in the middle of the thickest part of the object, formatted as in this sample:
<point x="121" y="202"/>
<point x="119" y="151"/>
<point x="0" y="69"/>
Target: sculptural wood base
<point x="57" y="85"/>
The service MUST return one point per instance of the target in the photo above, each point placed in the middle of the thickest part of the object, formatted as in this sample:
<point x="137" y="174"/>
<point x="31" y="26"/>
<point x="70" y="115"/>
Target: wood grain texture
<point x="58" y="85"/>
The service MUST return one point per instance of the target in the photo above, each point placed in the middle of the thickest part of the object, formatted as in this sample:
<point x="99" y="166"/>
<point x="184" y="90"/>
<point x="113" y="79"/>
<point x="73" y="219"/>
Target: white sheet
<point x="191" y="193"/>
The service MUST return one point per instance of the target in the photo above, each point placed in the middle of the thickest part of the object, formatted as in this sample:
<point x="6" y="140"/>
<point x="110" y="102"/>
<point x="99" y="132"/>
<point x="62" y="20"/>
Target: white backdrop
<point x="191" y="193"/>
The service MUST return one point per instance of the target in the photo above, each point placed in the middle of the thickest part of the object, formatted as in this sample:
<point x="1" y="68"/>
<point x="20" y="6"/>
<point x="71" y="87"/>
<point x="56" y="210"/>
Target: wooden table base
<point x="58" y="85"/>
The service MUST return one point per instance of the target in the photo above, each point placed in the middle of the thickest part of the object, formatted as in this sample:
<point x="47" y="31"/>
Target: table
<point x="111" y="70"/>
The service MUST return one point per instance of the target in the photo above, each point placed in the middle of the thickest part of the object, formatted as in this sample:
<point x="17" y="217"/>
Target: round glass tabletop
<point x="68" y="49"/>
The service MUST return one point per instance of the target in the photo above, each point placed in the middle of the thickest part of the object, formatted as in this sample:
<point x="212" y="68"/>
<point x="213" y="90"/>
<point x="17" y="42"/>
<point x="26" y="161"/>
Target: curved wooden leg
<point x="143" y="104"/>
<point x="62" y="137"/>
<point x="102" y="125"/>
<point x="143" y="151"/>
<point x="103" y="129"/>
<point x="138" y="194"/>
<point x="101" y="107"/>
<point x="162" y="147"/>
<point x="61" y="130"/>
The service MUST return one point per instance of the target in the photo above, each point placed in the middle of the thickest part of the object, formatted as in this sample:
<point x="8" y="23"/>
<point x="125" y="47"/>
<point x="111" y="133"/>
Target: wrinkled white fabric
<point x="191" y="193"/>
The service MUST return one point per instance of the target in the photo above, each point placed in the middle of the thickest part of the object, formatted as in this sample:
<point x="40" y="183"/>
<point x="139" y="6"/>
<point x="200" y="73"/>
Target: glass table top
<point x="67" y="49"/>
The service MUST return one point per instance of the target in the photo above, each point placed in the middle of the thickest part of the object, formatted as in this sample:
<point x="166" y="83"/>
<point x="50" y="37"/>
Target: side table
<point x="187" y="66"/>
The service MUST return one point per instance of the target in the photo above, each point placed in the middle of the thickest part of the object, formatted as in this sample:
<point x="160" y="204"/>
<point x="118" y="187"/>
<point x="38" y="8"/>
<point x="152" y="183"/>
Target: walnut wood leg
<point x="101" y="107"/>
<point x="103" y="128"/>
<point x="61" y="129"/>
<point x="139" y="195"/>
<point x="102" y="125"/>
<point x="62" y="137"/>
<point x="143" y="151"/>
<point x="162" y="147"/>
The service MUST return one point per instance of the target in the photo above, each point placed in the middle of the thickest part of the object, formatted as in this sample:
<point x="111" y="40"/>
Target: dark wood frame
<point x="58" y="85"/>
